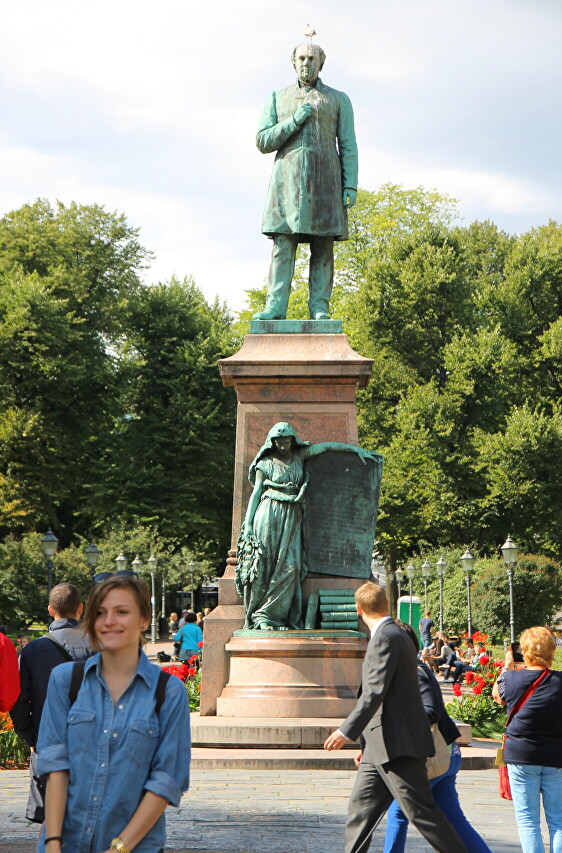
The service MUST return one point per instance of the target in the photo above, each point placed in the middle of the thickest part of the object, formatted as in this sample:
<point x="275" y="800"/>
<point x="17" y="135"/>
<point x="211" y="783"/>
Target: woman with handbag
<point x="533" y="738"/>
<point x="443" y="787"/>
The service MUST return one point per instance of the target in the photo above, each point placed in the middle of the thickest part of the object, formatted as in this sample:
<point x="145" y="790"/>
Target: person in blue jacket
<point x="189" y="636"/>
<point x="119" y="753"/>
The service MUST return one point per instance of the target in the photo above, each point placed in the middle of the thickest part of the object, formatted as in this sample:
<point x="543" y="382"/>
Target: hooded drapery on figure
<point x="271" y="563"/>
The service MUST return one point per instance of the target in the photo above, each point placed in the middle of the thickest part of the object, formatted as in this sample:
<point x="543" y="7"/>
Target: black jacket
<point x="37" y="659"/>
<point x="432" y="699"/>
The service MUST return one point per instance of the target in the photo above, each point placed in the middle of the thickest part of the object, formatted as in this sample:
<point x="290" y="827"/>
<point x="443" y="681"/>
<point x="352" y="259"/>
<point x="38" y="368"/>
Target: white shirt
<point x="377" y="623"/>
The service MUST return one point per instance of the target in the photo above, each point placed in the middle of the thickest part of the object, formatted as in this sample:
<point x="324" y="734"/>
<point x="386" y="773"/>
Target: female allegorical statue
<point x="271" y="559"/>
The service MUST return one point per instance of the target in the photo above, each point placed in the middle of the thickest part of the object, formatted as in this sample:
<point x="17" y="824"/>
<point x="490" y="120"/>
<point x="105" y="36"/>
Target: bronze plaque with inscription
<point x="341" y="505"/>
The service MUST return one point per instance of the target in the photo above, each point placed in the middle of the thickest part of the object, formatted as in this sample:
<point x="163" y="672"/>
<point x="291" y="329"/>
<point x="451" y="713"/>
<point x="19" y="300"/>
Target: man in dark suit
<point x="397" y="739"/>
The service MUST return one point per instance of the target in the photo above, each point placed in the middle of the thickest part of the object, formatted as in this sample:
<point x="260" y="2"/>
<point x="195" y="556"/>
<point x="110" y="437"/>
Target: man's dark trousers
<point x="403" y="779"/>
<point x="391" y="719"/>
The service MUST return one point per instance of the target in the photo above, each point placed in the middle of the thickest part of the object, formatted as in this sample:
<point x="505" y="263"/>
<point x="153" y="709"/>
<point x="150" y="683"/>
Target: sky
<point x="151" y="108"/>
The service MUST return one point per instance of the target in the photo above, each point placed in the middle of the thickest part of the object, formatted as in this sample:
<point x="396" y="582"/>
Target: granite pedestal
<point x="307" y="374"/>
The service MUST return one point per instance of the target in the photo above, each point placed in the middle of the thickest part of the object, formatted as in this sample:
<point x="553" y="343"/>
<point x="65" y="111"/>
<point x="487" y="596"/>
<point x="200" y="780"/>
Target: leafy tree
<point x="65" y="276"/>
<point x="169" y="461"/>
<point x="537" y="594"/>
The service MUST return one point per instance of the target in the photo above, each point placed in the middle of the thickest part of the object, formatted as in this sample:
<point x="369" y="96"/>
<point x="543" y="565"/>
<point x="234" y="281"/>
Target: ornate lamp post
<point x="426" y="574"/>
<point x="509" y="551"/>
<point x="163" y="606"/>
<point x="399" y="578"/>
<point x="50" y="544"/>
<point x="441" y="566"/>
<point x="136" y="565"/>
<point x="121" y="562"/>
<point x="191" y="567"/>
<point x="467" y="561"/>
<point x="152" y="563"/>
<point x="410" y="571"/>
<point x="92" y="557"/>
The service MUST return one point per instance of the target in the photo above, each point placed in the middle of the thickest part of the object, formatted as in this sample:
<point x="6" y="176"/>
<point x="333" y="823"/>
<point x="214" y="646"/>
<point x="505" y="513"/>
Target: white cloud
<point x="152" y="109"/>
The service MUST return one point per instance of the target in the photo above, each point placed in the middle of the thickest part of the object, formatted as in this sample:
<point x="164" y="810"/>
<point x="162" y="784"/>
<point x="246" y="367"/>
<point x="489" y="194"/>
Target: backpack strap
<point x="527" y="695"/>
<point x="161" y="690"/>
<point x="76" y="681"/>
<point x="78" y="676"/>
<point x="67" y="656"/>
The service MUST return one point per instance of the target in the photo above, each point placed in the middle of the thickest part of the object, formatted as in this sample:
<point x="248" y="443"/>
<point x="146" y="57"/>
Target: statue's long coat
<point x="310" y="170"/>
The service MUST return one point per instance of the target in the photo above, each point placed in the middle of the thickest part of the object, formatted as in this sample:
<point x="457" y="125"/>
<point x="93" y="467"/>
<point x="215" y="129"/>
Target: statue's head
<point x="308" y="61"/>
<point x="281" y="430"/>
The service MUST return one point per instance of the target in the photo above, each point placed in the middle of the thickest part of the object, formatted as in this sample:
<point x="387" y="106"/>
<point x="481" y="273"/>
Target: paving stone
<point x="298" y="811"/>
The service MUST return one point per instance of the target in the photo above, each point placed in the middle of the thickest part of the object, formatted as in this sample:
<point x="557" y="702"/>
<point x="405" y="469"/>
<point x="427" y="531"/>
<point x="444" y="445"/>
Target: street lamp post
<point x="441" y="566"/>
<point x="399" y="578"/>
<point x="152" y="563"/>
<point x="509" y="551"/>
<point x="411" y="571"/>
<point x="50" y="544"/>
<point x="426" y="573"/>
<point x="191" y="566"/>
<point x="92" y="557"/>
<point x="467" y="561"/>
<point x="163" y="607"/>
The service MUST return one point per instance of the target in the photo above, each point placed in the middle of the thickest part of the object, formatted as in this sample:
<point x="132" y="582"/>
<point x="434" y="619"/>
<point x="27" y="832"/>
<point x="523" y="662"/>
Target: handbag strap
<point x="526" y="695"/>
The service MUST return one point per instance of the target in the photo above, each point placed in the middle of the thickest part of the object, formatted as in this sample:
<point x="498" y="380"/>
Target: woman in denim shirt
<point x="113" y="763"/>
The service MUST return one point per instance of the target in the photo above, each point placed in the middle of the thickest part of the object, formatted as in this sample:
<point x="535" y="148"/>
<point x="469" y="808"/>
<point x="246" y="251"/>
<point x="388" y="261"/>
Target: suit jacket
<point x="310" y="170"/>
<point x="390" y="713"/>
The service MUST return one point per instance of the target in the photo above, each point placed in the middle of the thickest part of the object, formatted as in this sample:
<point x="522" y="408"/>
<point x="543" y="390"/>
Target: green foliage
<point x="486" y="718"/>
<point x="112" y="413"/>
<point x="193" y="687"/>
<point x="537" y="595"/>
<point x="170" y="459"/>
<point x="23" y="578"/>
<point x="14" y="752"/>
<point x="65" y="275"/>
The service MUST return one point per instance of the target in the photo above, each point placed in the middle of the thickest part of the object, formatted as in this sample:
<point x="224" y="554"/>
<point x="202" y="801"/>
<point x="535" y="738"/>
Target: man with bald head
<point x="314" y="181"/>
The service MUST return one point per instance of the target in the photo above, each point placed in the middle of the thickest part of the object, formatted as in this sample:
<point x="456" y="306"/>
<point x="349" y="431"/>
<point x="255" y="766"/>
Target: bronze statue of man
<point x="314" y="181"/>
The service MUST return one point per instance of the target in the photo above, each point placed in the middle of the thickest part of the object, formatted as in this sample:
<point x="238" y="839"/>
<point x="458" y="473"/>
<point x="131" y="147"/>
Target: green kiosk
<point x="403" y="611"/>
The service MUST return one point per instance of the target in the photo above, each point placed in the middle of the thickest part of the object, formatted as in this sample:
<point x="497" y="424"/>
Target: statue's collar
<point x="308" y="88"/>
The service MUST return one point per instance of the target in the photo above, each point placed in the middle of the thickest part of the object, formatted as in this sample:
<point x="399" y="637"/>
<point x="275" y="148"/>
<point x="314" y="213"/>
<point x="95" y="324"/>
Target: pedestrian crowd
<point x="110" y="740"/>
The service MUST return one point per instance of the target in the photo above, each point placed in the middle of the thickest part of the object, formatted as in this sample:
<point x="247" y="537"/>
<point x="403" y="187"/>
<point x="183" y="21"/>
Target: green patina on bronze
<point x="309" y="635"/>
<point x="313" y="183"/>
<point x="295" y="327"/>
<point x="271" y="555"/>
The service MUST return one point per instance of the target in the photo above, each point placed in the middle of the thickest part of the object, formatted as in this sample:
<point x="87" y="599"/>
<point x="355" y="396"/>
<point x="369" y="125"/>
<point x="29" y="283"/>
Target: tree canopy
<point x="113" y="418"/>
<point x="111" y="407"/>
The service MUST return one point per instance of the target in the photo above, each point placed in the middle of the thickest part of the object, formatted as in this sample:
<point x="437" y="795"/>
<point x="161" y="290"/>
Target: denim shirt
<point x="114" y="753"/>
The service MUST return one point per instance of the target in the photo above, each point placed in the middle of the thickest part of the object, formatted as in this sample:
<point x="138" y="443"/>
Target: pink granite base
<point x="292" y="677"/>
<point x="220" y="624"/>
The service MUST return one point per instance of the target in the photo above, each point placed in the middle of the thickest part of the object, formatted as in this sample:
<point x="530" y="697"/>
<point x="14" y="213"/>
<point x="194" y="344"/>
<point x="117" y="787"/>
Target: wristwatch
<point x="117" y="844"/>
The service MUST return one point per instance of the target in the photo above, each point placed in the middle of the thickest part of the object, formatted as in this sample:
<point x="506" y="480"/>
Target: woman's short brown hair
<point x="137" y="586"/>
<point x="538" y="647"/>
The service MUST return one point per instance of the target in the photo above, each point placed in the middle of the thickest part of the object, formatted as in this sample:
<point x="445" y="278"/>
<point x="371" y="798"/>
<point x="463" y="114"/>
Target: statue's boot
<point x="268" y="314"/>
<point x="321" y="315"/>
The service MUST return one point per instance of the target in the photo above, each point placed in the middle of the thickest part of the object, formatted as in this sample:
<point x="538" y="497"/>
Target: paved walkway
<point x="292" y="811"/>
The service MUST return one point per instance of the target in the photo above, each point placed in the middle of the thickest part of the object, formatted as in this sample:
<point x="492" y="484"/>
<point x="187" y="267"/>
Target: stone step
<point x="478" y="757"/>
<point x="271" y="732"/>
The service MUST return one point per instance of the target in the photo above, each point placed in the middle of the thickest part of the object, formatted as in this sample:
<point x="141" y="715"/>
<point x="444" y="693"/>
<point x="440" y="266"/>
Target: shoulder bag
<point x="504" y="786"/>
<point x="439" y="763"/>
